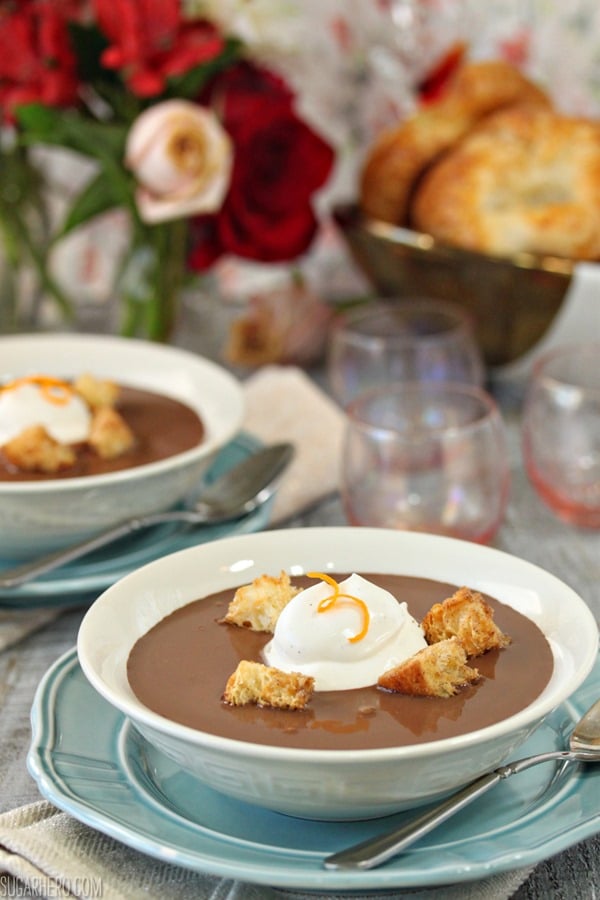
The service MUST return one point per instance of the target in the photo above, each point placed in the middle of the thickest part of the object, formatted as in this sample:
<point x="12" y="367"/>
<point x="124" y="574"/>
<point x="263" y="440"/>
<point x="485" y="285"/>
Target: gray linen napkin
<point x="284" y="404"/>
<point x="49" y="854"/>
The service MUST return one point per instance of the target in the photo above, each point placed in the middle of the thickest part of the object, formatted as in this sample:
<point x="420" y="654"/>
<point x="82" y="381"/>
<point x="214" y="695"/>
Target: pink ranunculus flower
<point x="288" y="325"/>
<point x="181" y="158"/>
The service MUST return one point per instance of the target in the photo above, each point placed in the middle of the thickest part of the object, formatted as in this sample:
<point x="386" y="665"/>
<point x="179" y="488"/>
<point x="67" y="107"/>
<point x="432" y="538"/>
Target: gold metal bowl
<point x="512" y="301"/>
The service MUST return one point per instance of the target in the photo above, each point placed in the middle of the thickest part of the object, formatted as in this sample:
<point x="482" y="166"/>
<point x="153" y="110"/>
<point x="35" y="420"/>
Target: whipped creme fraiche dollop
<point x="345" y="636"/>
<point x="48" y="402"/>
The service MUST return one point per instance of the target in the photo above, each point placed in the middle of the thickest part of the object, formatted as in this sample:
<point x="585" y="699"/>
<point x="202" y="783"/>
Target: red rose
<point x="150" y="42"/>
<point x="36" y="60"/>
<point x="279" y="163"/>
<point x="244" y="89"/>
<point x="206" y="246"/>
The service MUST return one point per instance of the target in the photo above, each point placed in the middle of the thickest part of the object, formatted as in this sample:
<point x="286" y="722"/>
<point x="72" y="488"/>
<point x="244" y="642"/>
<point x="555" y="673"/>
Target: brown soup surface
<point x="162" y="427"/>
<point x="179" y="669"/>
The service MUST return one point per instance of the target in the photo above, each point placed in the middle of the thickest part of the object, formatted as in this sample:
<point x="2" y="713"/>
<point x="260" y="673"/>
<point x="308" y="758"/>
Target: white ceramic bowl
<point x="333" y="784"/>
<point x="36" y="517"/>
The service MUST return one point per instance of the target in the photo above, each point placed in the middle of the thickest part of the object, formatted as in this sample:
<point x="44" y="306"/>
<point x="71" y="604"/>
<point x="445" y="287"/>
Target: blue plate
<point x="69" y="585"/>
<point x="89" y="761"/>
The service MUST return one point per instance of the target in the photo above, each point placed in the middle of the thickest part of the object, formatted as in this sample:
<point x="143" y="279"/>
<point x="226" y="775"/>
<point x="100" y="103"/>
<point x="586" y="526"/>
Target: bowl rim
<point x="525" y="718"/>
<point x="208" y="367"/>
<point x="349" y="215"/>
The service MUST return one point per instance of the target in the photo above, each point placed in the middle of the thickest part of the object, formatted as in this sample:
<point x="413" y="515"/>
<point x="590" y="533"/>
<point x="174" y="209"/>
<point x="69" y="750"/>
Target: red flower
<point x="279" y="163"/>
<point x="436" y="81"/>
<point x="36" y="60"/>
<point x="516" y="49"/>
<point x="243" y="90"/>
<point x="205" y="241"/>
<point x="150" y="42"/>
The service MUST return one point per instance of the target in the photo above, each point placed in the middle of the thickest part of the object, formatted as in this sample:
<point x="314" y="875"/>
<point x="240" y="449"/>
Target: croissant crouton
<point x="253" y="682"/>
<point x="468" y="617"/>
<point x="34" y="450"/>
<point x="257" y="606"/>
<point x="436" y="671"/>
<point x="110" y="435"/>
<point x="95" y="392"/>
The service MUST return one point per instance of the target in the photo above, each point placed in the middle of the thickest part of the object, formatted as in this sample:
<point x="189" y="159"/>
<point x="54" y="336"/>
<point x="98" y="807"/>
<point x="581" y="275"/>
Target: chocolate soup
<point x="162" y="427"/>
<point x="180" y="667"/>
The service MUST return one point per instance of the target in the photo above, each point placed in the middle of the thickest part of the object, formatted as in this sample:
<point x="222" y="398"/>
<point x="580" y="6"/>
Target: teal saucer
<point x="88" y="760"/>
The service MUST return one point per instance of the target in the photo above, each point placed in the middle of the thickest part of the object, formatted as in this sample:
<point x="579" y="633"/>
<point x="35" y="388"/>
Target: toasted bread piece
<point x="253" y="682"/>
<point x="34" y="450"/>
<point x="96" y="392"/>
<point x="436" y="671"/>
<point x="257" y="605"/>
<point x="466" y="616"/>
<point x="110" y="435"/>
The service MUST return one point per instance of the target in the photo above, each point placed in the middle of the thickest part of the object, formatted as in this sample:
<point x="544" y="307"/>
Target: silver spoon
<point x="584" y="746"/>
<point x="234" y="494"/>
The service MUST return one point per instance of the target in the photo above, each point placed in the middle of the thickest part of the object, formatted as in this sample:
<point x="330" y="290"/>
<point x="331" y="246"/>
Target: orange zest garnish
<point x="54" y="390"/>
<point x="330" y="601"/>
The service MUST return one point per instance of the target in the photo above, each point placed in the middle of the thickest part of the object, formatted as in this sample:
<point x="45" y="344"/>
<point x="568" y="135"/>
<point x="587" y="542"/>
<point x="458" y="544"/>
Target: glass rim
<point x="576" y="350"/>
<point x="488" y="409"/>
<point x="453" y="317"/>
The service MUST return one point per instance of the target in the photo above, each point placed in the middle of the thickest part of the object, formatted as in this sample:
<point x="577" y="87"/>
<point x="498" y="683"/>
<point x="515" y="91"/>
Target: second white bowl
<point x="39" y="516"/>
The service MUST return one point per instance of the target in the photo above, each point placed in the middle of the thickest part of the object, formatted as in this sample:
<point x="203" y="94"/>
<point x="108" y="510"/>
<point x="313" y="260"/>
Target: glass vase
<point x="152" y="280"/>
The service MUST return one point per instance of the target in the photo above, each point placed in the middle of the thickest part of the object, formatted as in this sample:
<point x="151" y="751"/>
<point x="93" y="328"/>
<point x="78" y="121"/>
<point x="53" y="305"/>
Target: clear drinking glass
<point x="561" y="432"/>
<point x="416" y="339"/>
<point x="426" y="457"/>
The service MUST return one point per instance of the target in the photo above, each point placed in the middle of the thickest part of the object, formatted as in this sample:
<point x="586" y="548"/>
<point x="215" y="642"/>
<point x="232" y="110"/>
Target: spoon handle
<point x="22" y="573"/>
<point x="236" y="493"/>
<point x="375" y="851"/>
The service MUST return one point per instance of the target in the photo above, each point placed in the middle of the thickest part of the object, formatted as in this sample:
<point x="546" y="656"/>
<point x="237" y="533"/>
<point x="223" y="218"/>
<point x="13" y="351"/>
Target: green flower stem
<point x="154" y="274"/>
<point x="21" y="236"/>
<point x="170" y="275"/>
<point x="10" y="241"/>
